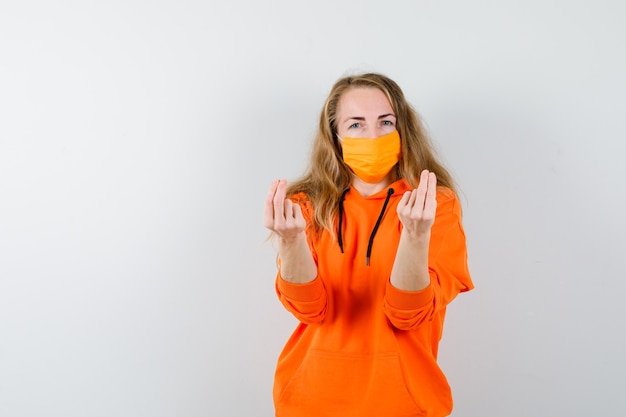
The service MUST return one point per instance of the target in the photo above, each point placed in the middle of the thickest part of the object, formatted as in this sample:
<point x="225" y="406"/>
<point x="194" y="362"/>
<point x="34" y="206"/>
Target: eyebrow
<point x="382" y="116"/>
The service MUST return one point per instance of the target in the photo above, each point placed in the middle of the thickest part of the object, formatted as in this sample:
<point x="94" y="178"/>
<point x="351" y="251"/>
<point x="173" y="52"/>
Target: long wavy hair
<point x="328" y="176"/>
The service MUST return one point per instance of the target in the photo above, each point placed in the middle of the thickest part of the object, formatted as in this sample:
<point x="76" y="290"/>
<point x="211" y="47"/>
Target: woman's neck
<point x="366" y="189"/>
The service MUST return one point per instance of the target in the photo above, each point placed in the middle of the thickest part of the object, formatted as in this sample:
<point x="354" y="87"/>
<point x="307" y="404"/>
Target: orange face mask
<point x="372" y="159"/>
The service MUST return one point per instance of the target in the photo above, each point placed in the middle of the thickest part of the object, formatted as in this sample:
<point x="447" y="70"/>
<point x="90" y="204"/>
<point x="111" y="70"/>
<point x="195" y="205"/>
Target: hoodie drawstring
<point x="339" y="237"/>
<point x="380" y="218"/>
<point x="390" y="192"/>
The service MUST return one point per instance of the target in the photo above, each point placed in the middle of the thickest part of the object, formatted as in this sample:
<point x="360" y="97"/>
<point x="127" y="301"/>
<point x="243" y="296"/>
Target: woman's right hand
<point x="283" y="216"/>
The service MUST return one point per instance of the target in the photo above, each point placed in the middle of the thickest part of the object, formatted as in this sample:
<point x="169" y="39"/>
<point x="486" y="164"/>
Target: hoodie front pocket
<point x="335" y="384"/>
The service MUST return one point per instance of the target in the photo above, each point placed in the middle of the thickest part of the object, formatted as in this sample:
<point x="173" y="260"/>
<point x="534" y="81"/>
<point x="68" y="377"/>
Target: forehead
<point x="363" y="101"/>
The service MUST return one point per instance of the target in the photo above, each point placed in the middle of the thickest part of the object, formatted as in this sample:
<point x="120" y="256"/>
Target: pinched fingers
<point x="292" y="223"/>
<point x="293" y="218"/>
<point x="281" y="215"/>
<point x="417" y="208"/>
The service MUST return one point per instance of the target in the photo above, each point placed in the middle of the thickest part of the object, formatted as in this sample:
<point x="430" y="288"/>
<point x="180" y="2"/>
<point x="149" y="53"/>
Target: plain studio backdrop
<point x="138" y="140"/>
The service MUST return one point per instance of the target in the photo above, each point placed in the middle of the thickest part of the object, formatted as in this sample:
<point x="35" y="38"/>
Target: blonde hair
<point x="328" y="176"/>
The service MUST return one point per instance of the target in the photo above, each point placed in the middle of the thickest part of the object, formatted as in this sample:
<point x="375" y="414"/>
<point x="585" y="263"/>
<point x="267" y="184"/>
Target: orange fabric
<point x="363" y="347"/>
<point x="372" y="159"/>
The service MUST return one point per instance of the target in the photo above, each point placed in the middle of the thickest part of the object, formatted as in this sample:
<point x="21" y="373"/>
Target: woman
<point x="371" y="250"/>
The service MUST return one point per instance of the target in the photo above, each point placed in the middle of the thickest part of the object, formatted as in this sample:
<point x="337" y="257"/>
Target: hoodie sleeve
<point x="307" y="302"/>
<point x="447" y="265"/>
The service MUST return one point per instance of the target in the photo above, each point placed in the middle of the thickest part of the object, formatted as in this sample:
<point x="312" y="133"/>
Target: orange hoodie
<point x="363" y="347"/>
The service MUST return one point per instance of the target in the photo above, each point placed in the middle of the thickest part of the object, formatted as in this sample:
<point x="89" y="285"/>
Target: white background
<point x="137" y="142"/>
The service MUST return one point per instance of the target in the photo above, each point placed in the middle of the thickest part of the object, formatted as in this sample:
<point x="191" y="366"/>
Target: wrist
<point x="294" y="240"/>
<point x="415" y="236"/>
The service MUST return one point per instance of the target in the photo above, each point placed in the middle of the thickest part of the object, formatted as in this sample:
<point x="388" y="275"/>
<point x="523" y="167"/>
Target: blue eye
<point x="354" y="125"/>
<point x="387" y="123"/>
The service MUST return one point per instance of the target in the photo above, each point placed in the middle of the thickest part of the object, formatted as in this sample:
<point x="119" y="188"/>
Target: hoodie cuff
<point x="310" y="291"/>
<point x="408" y="300"/>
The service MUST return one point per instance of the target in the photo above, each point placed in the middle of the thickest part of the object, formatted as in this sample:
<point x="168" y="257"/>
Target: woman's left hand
<point x="417" y="208"/>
